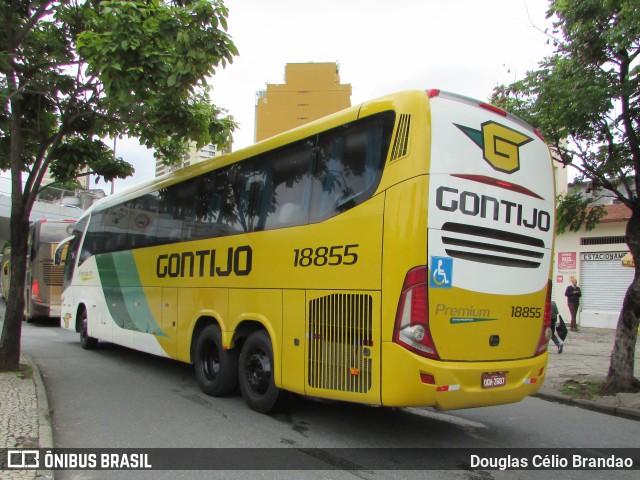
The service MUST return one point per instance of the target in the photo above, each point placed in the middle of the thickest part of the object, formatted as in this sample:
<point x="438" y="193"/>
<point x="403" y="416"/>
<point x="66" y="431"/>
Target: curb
<point x="623" y="412"/>
<point x="45" y="432"/>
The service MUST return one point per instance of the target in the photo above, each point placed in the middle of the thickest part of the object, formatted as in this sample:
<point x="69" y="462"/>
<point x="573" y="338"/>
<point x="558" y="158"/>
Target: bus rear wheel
<point x="256" y="375"/>
<point x="86" y="342"/>
<point x="216" y="368"/>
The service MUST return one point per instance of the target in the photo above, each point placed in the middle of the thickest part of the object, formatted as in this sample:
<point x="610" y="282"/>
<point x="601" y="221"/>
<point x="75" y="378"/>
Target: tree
<point x="585" y="98"/>
<point x="74" y="72"/>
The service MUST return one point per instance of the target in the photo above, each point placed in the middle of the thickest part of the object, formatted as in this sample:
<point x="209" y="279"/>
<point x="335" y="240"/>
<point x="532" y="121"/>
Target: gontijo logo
<point x="500" y="145"/>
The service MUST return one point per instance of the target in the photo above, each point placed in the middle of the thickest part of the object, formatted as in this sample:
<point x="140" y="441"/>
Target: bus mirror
<point x="57" y="256"/>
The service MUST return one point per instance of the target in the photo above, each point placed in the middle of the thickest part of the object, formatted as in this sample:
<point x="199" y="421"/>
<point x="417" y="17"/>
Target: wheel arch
<point x="81" y="308"/>
<point x="200" y="324"/>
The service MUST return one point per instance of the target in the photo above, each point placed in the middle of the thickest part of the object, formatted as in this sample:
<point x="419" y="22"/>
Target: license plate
<point x="494" y="379"/>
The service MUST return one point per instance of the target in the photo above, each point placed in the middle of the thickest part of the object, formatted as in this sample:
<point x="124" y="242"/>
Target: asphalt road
<point x="116" y="397"/>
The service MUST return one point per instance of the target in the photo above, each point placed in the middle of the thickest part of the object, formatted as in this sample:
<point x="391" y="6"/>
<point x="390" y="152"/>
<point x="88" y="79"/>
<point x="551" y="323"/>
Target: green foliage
<point x="73" y="73"/>
<point x="575" y="211"/>
<point x="584" y="97"/>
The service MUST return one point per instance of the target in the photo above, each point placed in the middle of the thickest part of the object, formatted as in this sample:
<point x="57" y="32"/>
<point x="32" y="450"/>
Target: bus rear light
<point x="545" y="334"/>
<point x="35" y="290"/>
<point x="498" y="183"/>
<point x="494" y="109"/>
<point x="427" y="378"/>
<point x="412" y="317"/>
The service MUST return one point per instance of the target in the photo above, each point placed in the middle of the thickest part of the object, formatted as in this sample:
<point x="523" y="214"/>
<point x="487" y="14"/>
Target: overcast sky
<point x="382" y="46"/>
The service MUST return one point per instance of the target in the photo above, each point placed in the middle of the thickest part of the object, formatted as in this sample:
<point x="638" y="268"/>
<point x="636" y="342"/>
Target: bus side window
<point x="286" y="194"/>
<point x="349" y="164"/>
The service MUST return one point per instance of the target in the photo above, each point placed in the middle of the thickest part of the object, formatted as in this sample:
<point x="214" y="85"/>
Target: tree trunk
<point x="621" y="369"/>
<point x="12" y="328"/>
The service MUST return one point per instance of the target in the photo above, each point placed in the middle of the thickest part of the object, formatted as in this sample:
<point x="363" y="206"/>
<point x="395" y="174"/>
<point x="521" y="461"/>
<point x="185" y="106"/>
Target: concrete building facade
<point x="310" y="91"/>
<point x="194" y="156"/>
<point x="595" y="259"/>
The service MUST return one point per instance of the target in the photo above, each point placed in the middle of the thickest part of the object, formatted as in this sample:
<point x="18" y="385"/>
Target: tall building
<point x="194" y="156"/>
<point x="310" y="91"/>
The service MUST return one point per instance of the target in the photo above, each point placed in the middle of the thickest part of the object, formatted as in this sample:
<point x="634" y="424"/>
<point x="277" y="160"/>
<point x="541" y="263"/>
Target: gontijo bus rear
<point x="396" y="253"/>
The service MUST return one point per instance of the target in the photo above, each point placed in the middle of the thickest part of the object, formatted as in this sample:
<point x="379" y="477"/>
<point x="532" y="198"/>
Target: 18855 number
<point x="323" y="256"/>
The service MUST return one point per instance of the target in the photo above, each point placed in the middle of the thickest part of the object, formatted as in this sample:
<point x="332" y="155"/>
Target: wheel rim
<point x="258" y="371"/>
<point x="211" y="362"/>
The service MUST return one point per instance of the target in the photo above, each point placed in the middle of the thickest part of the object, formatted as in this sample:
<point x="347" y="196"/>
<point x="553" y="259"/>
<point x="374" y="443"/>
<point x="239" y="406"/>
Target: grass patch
<point x="583" y="389"/>
<point x="25" y="372"/>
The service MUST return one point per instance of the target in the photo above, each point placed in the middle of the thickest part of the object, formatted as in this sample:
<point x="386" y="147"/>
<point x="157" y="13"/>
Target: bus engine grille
<point x="52" y="274"/>
<point x="340" y="338"/>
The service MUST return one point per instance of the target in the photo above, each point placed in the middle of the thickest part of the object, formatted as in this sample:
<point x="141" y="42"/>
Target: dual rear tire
<point x="219" y="372"/>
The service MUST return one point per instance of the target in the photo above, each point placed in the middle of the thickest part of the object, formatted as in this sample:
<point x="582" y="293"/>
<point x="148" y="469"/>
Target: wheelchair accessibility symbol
<point x="441" y="272"/>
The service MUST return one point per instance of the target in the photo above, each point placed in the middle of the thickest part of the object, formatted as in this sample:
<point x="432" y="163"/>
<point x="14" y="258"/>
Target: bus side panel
<point x="343" y="351"/>
<point x="405" y="244"/>
<point x="169" y="321"/>
<point x="293" y="340"/>
<point x="194" y="303"/>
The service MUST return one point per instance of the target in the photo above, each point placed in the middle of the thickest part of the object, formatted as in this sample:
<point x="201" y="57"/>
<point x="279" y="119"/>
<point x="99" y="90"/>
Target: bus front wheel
<point x="86" y="342"/>
<point x="256" y="375"/>
<point x="216" y="368"/>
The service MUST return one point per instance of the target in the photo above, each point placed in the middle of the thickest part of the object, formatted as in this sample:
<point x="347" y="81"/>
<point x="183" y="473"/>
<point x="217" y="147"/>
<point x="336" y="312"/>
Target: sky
<point x="464" y="46"/>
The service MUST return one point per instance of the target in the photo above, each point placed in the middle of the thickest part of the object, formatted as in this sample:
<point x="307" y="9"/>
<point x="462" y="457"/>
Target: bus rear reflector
<point x="412" y="317"/>
<point x="545" y="334"/>
<point x="427" y="378"/>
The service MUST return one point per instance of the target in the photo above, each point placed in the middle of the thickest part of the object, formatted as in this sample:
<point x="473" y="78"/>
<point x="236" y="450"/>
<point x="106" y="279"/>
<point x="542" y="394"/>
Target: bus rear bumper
<point x="405" y="378"/>
<point x="44" y="310"/>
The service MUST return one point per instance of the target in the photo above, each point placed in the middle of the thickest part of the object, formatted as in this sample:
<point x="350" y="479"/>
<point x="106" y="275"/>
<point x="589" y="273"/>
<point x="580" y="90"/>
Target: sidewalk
<point x="24" y="410"/>
<point x="585" y="358"/>
<point x="24" y="415"/>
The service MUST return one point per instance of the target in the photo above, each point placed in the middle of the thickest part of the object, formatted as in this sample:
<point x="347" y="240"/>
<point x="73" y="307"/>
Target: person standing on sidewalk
<point x="573" y="295"/>
<point x="554" y="320"/>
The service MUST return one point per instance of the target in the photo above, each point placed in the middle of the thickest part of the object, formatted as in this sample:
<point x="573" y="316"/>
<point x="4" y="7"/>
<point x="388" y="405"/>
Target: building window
<point x="603" y="240"/>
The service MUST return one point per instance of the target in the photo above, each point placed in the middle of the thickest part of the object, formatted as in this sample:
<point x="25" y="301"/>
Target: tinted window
<point x="53" y="232"/>
<point x="349" y="164"/>
<point x="309" y="180"/>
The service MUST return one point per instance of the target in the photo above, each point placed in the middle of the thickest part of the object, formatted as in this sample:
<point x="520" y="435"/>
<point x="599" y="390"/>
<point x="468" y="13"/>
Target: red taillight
<point x="35" y="290"/>
<point x="545" y="334"/>
<point x="412" y="318"/>
<point x="494" y="109"/>
<point x="434" y="92"/>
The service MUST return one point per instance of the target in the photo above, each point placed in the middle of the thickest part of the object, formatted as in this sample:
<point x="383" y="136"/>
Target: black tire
<point x="86" y="342"/>
<point x="216" y="368"/>
<point x="256" y="375"/>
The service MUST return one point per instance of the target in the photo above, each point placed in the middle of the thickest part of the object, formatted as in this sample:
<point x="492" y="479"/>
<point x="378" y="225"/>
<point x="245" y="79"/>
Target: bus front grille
<point x="340" y="338"/>
<point x="52" y="274"/>
<point x="495" y="247"/>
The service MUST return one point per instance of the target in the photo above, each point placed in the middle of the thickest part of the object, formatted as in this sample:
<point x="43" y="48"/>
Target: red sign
<point x="566" y="260"/>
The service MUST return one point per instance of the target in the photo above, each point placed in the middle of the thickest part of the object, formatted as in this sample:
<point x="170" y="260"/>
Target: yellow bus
<point x="396" y="253"/>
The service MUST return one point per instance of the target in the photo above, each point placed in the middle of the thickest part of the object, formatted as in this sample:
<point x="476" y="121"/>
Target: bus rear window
<point x="53" y="232"/>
